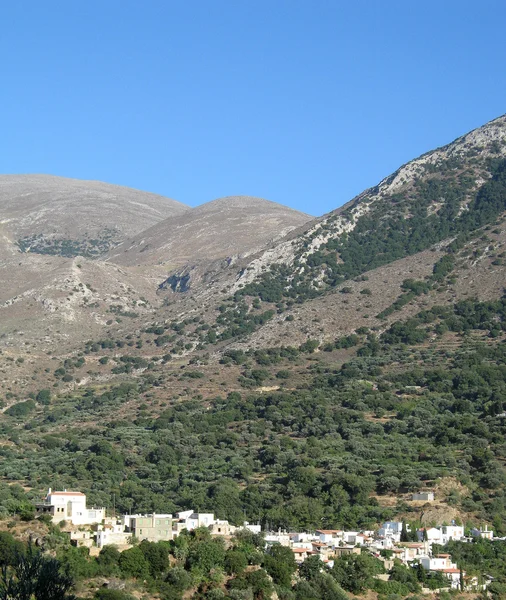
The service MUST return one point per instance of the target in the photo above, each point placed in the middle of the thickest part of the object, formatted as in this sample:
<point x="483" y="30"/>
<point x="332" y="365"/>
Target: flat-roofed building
<point x="69" y="506"/>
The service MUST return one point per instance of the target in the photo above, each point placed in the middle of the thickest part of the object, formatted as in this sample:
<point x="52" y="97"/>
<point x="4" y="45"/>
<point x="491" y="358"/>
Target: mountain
<point x="226" y="227"/>
<point x="441" y="195"/>
<point x="311" y="380"/>
<point x="67" y="217"/>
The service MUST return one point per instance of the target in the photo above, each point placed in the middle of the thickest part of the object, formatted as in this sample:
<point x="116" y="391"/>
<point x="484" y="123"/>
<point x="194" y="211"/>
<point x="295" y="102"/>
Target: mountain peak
<point x="59" y="208"/>
<point x="228" y="226"/>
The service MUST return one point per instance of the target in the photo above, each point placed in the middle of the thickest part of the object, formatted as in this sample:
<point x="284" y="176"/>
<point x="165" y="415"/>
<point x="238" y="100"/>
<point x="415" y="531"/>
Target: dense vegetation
<point x="195" y="561"/>
<point x="397" y="416"/>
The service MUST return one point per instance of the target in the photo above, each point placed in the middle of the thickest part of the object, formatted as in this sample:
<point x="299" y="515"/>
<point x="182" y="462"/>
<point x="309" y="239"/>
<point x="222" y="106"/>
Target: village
<point x="92" y="528"/>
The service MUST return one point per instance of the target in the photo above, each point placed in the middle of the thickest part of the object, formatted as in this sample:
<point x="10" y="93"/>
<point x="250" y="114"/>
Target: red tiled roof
<point x="329" y="531"/>
<point x="66" y="494"/>
<point x="451" y="570"/>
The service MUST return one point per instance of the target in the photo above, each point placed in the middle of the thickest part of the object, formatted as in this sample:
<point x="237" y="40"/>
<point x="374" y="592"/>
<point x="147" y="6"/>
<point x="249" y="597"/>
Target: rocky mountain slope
<point x="224" y="228"/>
<point x="47" y="289"/>
<point x="69" y="217"/>
<point x="428" y="200"/>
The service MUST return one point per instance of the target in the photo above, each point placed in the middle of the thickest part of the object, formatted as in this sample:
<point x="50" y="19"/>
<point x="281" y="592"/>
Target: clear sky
<point x="305" y="103"/>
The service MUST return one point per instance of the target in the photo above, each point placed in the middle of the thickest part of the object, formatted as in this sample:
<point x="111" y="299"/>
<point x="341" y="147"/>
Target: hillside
<point x="311" y="381"/>
<point x="69" y="217"/>
<point x="224" y="228"/>
<point x="442" y="195"/>
<point x="53" y="299"/>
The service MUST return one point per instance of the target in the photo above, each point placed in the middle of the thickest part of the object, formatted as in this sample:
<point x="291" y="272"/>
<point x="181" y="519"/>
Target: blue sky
<point x="305" y="103"/>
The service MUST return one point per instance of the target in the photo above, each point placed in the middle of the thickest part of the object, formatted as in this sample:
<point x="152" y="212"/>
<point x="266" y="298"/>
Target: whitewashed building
<point x="69" y="506"/>
<point x="486" y="534"/>
<point x="392" y="529"/>
<point x="451" y="532"/>
<point x="190" y="520"/>
<point x="112" y="533"/>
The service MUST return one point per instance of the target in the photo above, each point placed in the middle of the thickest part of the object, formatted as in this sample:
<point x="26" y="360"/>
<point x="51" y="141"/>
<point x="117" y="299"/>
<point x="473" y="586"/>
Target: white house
<point x="443" y="563"/>
<point x="250" y="527"/>
<point x="486" y="534"/>
<point x="437" y="563"/>
<point x="392" y="529"/>
<point x="330" y="536"/>
<point x="434" y="535"/>
<point x="182" y="516"/>
<point x="412" y="551"/>
<point x="300" y="554"/>
<point x="381" y="543"/>
<point x="112" y="533"/>
<point x="69" y="506"/>
<point x="190" y="520"/>
<point x="303" y="539"/>
<point x="451" y="532"/>
<point x="350" y="537"/>
<point x="281" y="538"/>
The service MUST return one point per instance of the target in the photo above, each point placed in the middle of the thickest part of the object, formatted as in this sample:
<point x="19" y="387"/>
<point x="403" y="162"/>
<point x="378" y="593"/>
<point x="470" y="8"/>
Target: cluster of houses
<point x="330" y="544"/>
<point x="94" y="529"/>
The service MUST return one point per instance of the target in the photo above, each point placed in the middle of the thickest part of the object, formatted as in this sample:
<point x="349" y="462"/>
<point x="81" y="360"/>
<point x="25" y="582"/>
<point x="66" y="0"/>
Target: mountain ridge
<point x="45" y="213"/>
<point x="224" y="227"/>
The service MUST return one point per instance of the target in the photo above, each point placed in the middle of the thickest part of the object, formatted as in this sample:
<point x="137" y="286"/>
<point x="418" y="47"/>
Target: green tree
<point x="205" y="553"/>
<point x="354" y="572"/>
<point x="235" y="562"/>
<point x="34" y="576"/>
<point x="108" y="559"/>
<point x="328" y="588"/>
<point x="156" y="555"/>
<point x="257" y="581"/>
<point x="311" y="567"/>
<point x="133" y="563"/>
<point x="43" y="397"/>
<point x="10" y="549"/>
<point x="280" y="563"/>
